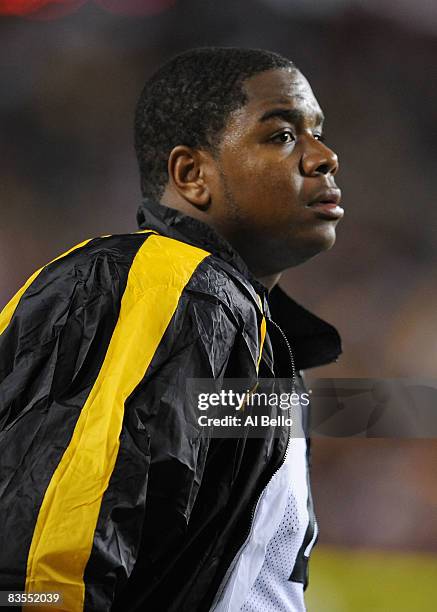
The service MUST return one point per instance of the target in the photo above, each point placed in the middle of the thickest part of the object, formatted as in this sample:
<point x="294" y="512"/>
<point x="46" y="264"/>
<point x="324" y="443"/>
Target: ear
<point x="188" y="171"/>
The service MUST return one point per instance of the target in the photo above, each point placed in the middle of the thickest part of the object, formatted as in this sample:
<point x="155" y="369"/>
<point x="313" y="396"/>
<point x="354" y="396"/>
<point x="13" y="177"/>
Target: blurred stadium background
<point x="70" y="77"/>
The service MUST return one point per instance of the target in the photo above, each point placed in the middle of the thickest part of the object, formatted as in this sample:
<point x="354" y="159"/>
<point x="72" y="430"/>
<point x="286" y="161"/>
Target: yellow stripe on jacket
<point x="262" y="333"/>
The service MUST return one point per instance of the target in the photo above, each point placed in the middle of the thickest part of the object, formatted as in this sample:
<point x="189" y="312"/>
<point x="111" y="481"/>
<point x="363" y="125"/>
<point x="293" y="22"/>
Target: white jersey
<point x="258" y="579"/>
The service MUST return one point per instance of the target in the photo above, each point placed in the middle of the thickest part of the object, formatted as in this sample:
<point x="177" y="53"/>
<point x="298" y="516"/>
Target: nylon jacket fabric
<point x="110" y="492"/>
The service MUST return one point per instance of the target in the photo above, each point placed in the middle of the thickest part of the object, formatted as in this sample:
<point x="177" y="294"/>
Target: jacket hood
<point x="315" y="342"/>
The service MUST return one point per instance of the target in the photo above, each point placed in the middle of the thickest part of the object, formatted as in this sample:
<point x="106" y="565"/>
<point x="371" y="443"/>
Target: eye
<point x="319" y="137"/>
<point x="284" y="137"/>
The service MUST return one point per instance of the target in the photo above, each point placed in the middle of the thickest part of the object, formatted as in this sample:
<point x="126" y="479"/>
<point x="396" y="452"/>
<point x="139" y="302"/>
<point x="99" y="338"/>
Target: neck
<point x="178" y="203"/>
<point x="269" y="281"/>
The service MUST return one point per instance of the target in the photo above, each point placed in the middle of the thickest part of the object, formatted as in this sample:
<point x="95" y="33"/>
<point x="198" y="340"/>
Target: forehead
<point x="283" y="88"/>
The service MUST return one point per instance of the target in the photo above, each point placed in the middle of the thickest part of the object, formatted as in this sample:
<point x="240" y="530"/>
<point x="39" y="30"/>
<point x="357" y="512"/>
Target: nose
<point x="318" y="159"/>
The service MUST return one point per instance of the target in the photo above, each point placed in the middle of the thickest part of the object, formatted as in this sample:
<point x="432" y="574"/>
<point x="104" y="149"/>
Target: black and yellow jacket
<point x="110" y="493"/>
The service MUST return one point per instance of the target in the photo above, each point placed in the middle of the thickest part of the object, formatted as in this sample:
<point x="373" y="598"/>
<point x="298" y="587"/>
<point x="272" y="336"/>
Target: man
<point x="112" y="494"/>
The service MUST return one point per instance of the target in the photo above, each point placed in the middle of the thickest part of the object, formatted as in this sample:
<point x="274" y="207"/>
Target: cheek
<point x="278" y="192"/>
<point x="280" y="176"/>
<point x="260" y="187"/>
<point x="269" y="178"/>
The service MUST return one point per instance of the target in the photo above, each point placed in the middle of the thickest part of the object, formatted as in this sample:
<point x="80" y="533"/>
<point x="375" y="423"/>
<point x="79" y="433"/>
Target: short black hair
<point x="188" y="101"/>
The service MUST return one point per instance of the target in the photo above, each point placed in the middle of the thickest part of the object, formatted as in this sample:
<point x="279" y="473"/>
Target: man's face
<point x="275" y="199"/>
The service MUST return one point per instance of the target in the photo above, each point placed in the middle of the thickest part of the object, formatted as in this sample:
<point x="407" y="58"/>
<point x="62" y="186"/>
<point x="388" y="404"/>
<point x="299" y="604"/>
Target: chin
<point x="327" y="240"/>
<point x="313" y="245"/>
<point x="277" y="255"/>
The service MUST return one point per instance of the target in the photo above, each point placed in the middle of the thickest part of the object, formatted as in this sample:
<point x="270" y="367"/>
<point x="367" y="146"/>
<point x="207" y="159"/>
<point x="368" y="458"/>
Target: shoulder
<point x="93" y="262"/>
<point x="161" y="273"/>
<point x="151" y="260"/>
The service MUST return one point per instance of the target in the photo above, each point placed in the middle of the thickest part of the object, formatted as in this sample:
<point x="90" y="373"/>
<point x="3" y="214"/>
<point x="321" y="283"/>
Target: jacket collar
<point x="314" y="341"/>
<point x="175" y="224"/>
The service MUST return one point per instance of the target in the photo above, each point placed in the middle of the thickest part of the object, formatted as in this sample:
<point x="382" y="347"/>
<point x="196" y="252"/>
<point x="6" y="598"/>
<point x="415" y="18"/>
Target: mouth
<point x="326" y="205"/>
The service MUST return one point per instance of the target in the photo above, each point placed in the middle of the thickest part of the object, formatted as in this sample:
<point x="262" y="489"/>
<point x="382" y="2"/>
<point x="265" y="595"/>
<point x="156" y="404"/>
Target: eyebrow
<point x="290" y="115"/>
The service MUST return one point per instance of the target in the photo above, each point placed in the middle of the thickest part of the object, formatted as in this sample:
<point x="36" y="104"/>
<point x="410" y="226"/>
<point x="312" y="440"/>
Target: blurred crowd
<point x="68" y="172"/>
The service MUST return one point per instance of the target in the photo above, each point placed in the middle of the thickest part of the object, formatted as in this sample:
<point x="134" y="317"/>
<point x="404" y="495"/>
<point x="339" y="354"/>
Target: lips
<point x="326" y="204"/>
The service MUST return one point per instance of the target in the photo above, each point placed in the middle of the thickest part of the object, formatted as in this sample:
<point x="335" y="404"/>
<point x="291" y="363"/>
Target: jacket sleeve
<point x="97" y="440"/>
<point x="55" y="334"/>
